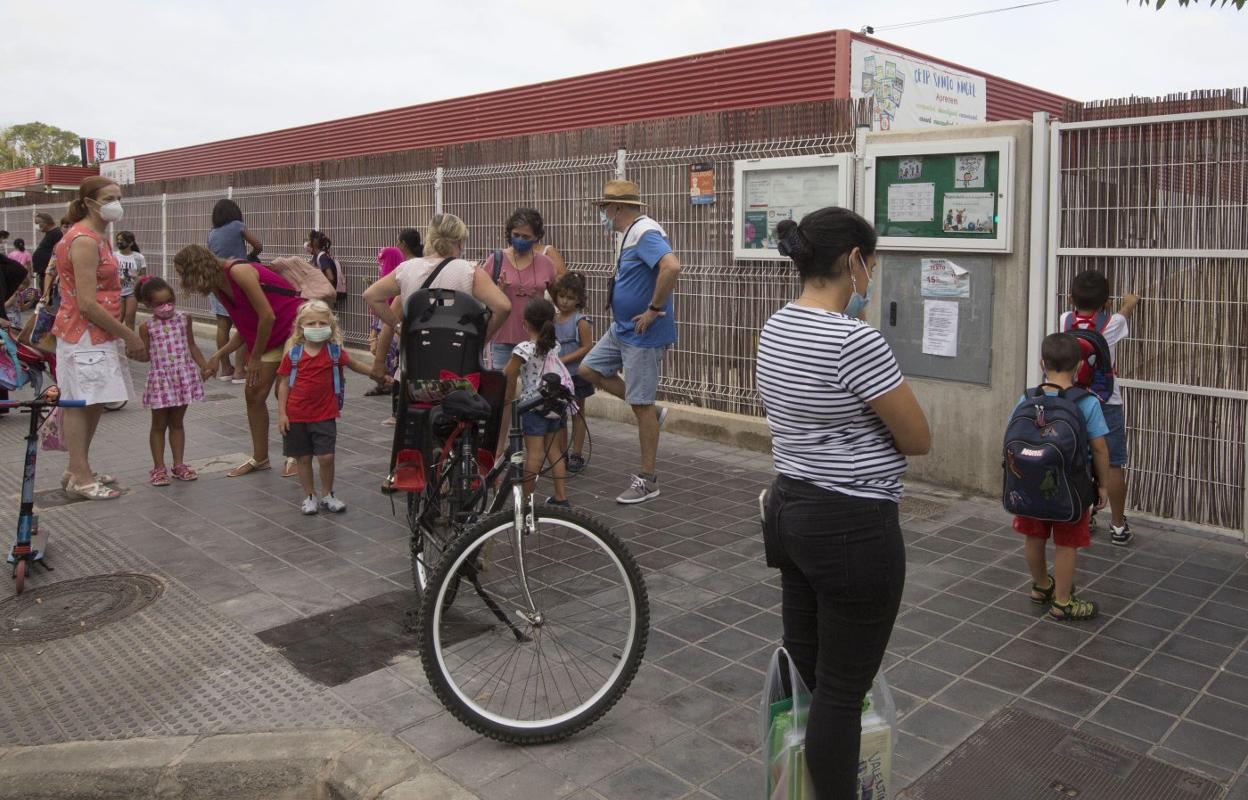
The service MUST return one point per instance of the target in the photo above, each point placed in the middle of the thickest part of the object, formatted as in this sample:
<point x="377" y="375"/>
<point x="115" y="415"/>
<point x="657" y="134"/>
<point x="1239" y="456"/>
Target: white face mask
<point x="112" y="212"/>
<point x="318" y="333"/>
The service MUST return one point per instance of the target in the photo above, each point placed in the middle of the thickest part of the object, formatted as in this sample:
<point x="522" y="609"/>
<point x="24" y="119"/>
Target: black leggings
<point x="842" y="566"/>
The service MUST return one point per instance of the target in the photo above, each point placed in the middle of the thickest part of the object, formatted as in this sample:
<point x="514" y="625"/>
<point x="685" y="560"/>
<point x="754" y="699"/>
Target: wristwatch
<point x="657" y="310"/>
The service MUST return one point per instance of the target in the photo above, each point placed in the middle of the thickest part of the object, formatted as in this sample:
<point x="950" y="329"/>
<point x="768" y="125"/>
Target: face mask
<point x="317" y="334"/>
<point x="163" y="311"/>
<point x="307" y="248"/>
<point x="605" y="221"/>
<point x="112" y="212"/>
<point x="522" y="246"/>
<point x="857" y="302"/>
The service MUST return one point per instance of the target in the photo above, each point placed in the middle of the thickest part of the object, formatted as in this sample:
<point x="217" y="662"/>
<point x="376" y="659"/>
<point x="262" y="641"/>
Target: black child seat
<point x="440" y="347"/>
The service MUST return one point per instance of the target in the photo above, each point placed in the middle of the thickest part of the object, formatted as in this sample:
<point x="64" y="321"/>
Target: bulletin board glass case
<point x="953" y="195"/>
<point x="768" y="190"/>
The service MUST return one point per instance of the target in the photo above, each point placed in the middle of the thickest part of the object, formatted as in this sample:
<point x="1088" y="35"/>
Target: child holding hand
<point x="310" y="395"/>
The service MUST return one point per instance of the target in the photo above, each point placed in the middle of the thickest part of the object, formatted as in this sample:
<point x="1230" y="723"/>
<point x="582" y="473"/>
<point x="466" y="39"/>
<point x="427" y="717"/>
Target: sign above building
<point x="96" y="150"/>
<point x="909" y="92"/>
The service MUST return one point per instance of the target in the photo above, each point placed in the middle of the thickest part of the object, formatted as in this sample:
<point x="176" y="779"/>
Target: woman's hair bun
<point x="792" y="243"/>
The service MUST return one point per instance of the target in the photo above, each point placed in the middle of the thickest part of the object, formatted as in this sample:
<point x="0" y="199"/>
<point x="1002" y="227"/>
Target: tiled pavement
<point x="1163" y="672"/>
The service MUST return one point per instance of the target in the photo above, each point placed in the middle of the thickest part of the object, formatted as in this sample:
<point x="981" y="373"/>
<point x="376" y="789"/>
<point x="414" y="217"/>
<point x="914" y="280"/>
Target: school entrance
<point x="1159" y="203"/>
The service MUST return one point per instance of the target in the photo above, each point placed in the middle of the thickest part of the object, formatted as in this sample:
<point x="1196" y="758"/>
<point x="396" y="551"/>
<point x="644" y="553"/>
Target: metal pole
<point x="164" y="235"/>
<point x="437" y="191"/>
<point x="1039" y="255"/>
<point x="621" y="156"/>
<point x="1055" y="217"/>
<point x="316" y="204"/>
<point x="229" y="192"/>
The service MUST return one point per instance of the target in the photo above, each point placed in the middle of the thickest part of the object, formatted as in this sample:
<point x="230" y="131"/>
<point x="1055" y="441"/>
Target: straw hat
<point x="625" y="193"/>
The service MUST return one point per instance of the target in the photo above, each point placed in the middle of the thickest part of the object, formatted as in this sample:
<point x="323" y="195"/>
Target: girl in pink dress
<point x="175" y="378"/>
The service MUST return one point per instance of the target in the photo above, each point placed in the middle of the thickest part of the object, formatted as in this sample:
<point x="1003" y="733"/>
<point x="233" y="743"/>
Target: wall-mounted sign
<point x="910" y="92"/>
<point x="701" y="184"/>
<point x="96" y="150"/>
<point x="121" y="170"/>
<point x="769" y="190"/>
<point x="948" y="195"/>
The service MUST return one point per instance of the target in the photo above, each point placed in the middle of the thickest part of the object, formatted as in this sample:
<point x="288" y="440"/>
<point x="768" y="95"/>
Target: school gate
<point x="1159" y="202"/>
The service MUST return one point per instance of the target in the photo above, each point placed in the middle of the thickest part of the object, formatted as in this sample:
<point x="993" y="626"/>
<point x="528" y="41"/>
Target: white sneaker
<point x="331" y="503"/>
<point x="309" y="505"/>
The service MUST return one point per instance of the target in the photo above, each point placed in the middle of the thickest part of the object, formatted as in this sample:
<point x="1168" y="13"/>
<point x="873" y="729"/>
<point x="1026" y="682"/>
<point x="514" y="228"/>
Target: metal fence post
<point x="164" y="235"/>
<point x="437" y="191"/>
<point x="316" y="204"/>
<point x="229" y="193"/>
<point x="621" y="156"/>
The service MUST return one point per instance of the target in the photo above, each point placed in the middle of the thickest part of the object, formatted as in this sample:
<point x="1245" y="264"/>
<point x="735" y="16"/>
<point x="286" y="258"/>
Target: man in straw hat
<point x="643" y="323"/>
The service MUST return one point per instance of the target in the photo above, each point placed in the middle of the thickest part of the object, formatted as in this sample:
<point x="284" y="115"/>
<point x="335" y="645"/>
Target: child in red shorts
<point x="1061" y="355"/>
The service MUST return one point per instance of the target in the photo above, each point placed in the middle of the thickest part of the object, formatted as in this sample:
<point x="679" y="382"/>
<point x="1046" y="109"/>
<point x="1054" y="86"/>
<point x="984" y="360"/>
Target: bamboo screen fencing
<point x="1179" y="186"/>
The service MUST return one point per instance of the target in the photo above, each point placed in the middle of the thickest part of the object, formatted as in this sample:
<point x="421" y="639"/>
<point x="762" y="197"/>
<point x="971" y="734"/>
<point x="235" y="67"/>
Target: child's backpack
<point x="13" y="374"/>
<point x="340" y="277"/>
<point x="335" y="352"/>
<point x="1096" y="367"/>
<point x="552" y="363"/>
<point x="1046" y="465"/>
<point x="309" y="282"/>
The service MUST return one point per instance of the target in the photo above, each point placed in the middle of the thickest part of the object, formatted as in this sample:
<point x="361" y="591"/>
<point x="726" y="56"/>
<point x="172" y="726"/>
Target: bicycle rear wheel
<point x="526" y="678"/>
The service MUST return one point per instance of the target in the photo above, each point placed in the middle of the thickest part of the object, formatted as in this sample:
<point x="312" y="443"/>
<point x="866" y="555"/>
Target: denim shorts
<point x="500" y="354"/>
<point x="640" y="366"/>
<point x="534" y="424"/>
<point x="217" y="306"/>
<point x="1116" y="440"/>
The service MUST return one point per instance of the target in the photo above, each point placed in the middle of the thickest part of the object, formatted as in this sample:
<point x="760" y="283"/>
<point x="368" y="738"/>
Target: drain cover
<point x="1017" y="755"/>
<point x="72" y="607"/>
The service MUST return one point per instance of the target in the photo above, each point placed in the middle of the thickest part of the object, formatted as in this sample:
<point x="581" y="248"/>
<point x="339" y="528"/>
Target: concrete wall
<point x="968" y="420"/>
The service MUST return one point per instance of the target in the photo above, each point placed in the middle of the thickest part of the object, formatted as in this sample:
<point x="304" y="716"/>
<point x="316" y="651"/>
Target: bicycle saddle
<point x="464" y="406"/>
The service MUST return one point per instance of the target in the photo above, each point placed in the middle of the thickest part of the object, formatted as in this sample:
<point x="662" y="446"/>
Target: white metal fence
<point x="721" y="302"/>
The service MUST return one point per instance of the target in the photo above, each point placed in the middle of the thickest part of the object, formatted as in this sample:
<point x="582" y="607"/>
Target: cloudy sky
<point x="155" y="74"/>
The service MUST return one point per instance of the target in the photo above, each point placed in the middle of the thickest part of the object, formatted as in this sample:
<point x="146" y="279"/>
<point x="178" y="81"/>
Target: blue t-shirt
<point x="1092" y="415"/>
<point x="635" y="280"/>
<point x="227" y="241"/>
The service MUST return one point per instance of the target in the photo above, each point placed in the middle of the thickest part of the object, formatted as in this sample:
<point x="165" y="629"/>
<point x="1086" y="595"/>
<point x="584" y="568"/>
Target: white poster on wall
<point x="121" y="170"/>
<point x="911" y="92"/>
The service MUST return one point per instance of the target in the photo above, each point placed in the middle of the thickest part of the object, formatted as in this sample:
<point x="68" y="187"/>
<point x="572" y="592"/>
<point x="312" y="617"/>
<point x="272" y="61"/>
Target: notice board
<point x="951" y="195"/>
<point x="769" y="190"/>
<point x="915" y="310"/>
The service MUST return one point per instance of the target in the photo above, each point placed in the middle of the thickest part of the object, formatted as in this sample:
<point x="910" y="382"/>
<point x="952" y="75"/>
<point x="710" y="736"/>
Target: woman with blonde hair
<point x="262" y="307"/>
<point x="310" y="398"/>
<point x="92" y="343"/>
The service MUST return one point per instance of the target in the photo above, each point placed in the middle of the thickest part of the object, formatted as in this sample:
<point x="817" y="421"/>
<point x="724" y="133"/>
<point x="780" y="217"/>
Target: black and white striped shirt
<point x="817" y="370"/>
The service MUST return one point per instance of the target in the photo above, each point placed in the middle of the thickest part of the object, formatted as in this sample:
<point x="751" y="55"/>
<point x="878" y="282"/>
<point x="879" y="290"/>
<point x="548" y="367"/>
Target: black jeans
<point x="842" y="566"/>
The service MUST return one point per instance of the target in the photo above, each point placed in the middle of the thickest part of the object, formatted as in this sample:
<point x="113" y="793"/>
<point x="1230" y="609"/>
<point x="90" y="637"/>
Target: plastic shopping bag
<point x="785" y="709"/>
<point x="52" y="432"/>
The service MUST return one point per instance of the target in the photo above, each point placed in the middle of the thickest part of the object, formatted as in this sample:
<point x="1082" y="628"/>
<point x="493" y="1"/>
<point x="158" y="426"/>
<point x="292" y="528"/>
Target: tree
<point x="36" y="143"/>
<point x="1239" y="4"/>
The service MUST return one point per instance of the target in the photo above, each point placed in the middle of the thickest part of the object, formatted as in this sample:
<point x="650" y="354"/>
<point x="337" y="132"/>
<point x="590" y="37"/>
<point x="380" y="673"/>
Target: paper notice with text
<point x="940" y="328"/>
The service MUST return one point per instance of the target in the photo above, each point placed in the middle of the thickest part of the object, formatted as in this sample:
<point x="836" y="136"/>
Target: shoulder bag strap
<point x="498" y="265"/>
<point x="436" y="272"/>
<point x="335" y="352"/>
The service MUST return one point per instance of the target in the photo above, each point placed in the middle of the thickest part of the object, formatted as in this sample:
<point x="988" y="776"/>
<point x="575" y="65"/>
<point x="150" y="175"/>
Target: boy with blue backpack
<point x="1099" y="331"/>
<point x="1056" y="465"/>
<point x="310" y="398"/>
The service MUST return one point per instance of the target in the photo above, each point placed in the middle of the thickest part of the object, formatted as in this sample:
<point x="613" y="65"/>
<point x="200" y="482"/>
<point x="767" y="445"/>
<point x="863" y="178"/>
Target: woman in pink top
<point x="91" y="342"/>
<point x="523" y="275"/>
<point x="262" y="307"/>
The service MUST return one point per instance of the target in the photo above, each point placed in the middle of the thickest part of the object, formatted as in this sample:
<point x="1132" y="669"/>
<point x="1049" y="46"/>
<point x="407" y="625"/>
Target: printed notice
<point x="940" y="328"/>
<point x="970" y="212"/>
<point x="940" y="277"/>
<point x="911" y="202"/>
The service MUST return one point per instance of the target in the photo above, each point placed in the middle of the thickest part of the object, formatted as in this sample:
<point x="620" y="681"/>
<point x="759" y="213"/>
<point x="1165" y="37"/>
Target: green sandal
<point x="1073" y="610"/>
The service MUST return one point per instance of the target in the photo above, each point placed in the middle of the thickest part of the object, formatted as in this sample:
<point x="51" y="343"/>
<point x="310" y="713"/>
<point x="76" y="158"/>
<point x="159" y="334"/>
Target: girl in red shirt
<point x="310" y="391"/>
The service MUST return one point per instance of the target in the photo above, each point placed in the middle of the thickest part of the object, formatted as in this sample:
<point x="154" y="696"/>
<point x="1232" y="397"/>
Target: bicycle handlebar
<point x="552" y="391"/>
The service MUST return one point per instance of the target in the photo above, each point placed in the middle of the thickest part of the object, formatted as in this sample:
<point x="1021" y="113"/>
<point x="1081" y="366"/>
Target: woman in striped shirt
<point x="842" y="421"/>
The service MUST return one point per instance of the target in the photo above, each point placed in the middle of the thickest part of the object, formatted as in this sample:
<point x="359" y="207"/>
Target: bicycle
<point x="23" y="556"/>
<point x="563" y="618"/>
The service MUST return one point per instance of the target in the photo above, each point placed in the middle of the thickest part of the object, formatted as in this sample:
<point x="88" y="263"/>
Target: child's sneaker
<point x="309" y="505"/>
<point x="575" y="464"/>
<point x="331" y="503"/>
<point x="1121" y="536"/>
<point x="550" y="501"/>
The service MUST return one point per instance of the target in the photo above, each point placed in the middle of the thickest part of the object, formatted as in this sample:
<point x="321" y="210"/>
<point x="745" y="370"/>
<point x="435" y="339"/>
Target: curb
<point x="334" y="764"/>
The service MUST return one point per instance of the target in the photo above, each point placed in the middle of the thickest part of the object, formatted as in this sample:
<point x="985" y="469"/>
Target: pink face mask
<point x="163" y="311"/>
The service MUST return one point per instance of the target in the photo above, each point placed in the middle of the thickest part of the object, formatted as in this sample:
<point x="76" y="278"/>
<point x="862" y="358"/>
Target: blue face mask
<point x="857" y="302"/>
<point x="605" y="221"/>
<point x="522" y="246"/>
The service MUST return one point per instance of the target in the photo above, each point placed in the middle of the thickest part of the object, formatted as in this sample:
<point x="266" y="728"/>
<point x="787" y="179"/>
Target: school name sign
<point x="911" y="92"/>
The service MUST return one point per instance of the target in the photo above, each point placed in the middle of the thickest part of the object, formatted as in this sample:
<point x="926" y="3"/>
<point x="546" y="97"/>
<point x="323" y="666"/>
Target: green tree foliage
<point x="1239" y="4"/>
<point x="36" y="143"/>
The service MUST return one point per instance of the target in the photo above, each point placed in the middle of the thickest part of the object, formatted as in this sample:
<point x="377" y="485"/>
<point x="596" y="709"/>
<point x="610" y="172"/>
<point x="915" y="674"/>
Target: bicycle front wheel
<point x="529" y="674"/>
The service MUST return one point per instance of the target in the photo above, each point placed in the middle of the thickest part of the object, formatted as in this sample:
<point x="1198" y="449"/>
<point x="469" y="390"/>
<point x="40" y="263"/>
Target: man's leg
<point x="648" y="433"/>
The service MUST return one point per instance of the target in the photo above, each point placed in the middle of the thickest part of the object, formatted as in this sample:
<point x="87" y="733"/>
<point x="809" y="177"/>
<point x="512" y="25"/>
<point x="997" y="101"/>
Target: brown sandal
<point x="249" y="466"/>
<point x="290" y="469"/>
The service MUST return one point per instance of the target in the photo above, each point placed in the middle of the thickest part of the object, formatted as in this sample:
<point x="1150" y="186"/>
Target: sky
<point x="153" y="75"/>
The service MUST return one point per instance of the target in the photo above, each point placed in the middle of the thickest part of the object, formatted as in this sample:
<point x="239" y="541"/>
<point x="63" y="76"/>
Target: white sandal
<point x="93" y="491"/>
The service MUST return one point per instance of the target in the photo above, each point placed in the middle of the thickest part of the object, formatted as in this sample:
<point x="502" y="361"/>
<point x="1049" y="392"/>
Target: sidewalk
<point x="275" y="621"/>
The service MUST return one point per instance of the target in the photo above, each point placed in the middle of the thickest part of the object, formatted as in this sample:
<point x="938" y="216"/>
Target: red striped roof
<point x="803" y="68"/>
<point x="38" y="179"/>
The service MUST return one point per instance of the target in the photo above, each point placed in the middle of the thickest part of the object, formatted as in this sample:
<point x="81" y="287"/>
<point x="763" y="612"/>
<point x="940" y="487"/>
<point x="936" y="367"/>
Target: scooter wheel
<point x="19" y="575"/>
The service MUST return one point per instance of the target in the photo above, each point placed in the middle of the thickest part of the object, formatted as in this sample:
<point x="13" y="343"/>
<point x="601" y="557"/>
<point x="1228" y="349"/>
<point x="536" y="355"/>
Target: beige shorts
<point x="94" y="373"/>
<point x="273" y="356"/>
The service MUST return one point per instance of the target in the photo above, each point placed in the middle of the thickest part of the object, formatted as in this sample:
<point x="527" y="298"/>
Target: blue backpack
<point x="335" y="352"/>
<point x="1046" y="464"/>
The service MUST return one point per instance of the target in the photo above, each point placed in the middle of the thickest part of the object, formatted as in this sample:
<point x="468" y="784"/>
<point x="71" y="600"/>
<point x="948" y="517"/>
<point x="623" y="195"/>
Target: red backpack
<point x="1096" y="366"/>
